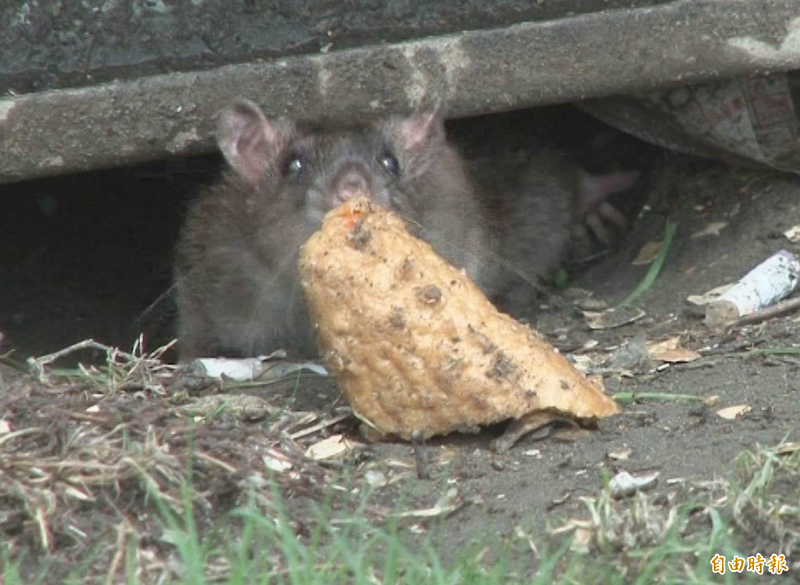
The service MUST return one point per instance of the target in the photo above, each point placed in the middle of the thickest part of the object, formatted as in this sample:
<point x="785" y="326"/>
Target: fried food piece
<point x="415" y="346"/>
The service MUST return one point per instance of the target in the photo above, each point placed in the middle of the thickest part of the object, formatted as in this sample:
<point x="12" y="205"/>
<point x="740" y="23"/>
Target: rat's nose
<point x="350" y="181"/>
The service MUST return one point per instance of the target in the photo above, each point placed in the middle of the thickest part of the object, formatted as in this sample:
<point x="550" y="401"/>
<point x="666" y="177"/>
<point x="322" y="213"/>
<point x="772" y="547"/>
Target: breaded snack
<point x="415" y="346"/>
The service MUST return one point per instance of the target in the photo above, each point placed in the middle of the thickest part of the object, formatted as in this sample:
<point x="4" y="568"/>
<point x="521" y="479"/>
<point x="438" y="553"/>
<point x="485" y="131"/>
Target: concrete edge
<point x="525" y="65"/>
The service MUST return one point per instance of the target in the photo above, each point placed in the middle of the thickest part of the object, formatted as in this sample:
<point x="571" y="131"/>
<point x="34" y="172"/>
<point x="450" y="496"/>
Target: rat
<point x="536" y="206"/>
<point x="238" y="290"/>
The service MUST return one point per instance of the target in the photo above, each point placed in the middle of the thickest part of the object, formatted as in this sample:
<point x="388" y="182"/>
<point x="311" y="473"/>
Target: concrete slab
<point x="479" y="71"/>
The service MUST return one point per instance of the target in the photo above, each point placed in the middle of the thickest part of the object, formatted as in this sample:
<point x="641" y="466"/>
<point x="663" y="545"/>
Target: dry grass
<point x="671" y="535"/>
<point x="135" y="471"/>
<point x="93" y="458"/>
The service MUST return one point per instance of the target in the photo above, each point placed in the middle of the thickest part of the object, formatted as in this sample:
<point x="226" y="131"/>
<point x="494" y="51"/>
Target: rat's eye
<point x="294" y="165"/>
<point x="389" y="163"/>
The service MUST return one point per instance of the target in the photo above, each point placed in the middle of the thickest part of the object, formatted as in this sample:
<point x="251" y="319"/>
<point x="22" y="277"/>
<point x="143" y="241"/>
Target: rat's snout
<point x="352" y="180"/>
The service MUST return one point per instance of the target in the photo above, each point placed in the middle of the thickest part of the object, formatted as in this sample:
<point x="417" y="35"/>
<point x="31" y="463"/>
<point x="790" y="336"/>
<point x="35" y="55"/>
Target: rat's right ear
<point x="424" y="127"/>
<point x="248" y="140"/>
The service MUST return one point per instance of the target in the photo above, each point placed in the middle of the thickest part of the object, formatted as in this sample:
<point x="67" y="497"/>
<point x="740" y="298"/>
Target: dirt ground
<point x="85" y="256"/>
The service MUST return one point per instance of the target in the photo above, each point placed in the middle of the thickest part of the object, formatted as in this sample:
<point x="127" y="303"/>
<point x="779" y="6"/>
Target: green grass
<point x="640" y="540"/>
<point x="264" y="550"/>
<point x="165" y="532"/>
<point x="655" y="267"/>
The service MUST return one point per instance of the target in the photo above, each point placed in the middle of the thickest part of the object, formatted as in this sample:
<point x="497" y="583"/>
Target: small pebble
<point x="375" y="478"/>
<point x="591" y="304"/>
<point x="498" y="465"/>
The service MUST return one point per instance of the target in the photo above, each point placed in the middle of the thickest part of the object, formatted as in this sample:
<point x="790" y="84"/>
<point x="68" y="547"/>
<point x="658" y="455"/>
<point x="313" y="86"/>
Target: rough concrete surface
<point x="55" y="44"/>
<point x="479" y="71"/>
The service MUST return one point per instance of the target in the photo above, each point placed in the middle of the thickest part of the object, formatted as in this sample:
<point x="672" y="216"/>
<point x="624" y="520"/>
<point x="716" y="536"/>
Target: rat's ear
<point x="423" y="128"/>
<point x="248" y="140"/>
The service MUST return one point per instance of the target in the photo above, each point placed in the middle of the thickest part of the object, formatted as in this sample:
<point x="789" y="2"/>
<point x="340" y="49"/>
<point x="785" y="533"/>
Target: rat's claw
<point x="594" y="210"/>
<point x="610" y="213"/>
<point x="579" y="232"/>
<point x="597" y="227"/>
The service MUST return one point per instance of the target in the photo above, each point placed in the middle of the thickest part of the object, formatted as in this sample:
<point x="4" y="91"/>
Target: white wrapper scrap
<point x="248" y="369"/>
<point x="769" y="282"/>
<point x="241" y="370"/>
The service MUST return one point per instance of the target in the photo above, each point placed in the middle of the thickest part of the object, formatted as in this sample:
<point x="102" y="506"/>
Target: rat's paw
<point x="594" y="212"/>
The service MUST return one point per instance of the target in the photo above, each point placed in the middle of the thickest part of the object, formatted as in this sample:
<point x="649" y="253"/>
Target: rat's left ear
<point x="424" y="127"/>
<point x="249" y="141"/>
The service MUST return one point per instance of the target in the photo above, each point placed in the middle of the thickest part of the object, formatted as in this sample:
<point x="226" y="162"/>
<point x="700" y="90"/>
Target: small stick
<point x="2" y="383"/>
<point x="418" y="443"/>
<point x="776" y="310"/>
<point x="122" y="530"/>
<point x="206" y="457"/>
<point x="38" y="364"/>
<point x="319" y="426"/>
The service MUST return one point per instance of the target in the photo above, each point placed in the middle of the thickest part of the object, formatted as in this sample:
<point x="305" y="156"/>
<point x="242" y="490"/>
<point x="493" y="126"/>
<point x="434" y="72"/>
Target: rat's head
<point x="397" y="164"/>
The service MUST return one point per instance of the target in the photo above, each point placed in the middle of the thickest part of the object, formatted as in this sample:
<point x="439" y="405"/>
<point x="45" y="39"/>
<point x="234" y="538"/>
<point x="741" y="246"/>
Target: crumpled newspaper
<point x="749" y="120"/>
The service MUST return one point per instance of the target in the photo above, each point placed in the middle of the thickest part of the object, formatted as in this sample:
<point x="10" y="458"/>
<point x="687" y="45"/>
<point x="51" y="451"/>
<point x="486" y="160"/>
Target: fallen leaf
<point x="333" y="446"/>
<point x="448" y="503"/>
<point x="712" y="229"/>
<point x="613" y="318"/>
<point x="665" y="345"/>
<point x="732" y="412"/>
<point x="676" y="356"/>
<point x="788" y="448"/>
<point x="711" y="400"/>
<point x="793" y="234"/>
<point x="708" y="297"/>
<point x="4" y="427"/>
<point x="647" y="253"/>
<point x="621" y="455"/>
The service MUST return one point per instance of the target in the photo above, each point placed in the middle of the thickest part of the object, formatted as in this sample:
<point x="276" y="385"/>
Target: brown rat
<point x="536" y="207"/>
<point x="235" y="271"/>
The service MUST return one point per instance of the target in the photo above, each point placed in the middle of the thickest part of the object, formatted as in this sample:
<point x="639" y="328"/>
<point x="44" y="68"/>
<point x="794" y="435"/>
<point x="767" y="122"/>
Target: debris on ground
<point x="264" y="368"/>
<point x="769" y="282"/>
<point x="624" y="484"/>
